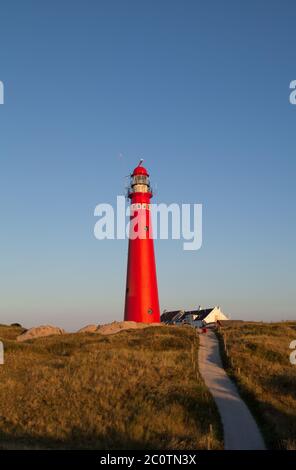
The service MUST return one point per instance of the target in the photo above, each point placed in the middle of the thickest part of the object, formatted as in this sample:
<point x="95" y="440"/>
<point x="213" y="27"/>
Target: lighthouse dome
<point x="140" y="170"/>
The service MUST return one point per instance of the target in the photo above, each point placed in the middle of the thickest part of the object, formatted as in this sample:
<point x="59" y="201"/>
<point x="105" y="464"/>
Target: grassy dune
<point x="258" y="358"/>
<point x="133" y="390"/>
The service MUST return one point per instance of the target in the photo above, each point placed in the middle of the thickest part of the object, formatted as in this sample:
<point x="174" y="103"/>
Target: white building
<point x="197" y="318"/>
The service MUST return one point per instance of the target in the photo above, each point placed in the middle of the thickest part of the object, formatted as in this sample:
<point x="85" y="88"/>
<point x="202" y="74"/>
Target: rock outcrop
<point x="115" y="327"/>
<point x="88" y="329"/>
<point x="39" y="332"/>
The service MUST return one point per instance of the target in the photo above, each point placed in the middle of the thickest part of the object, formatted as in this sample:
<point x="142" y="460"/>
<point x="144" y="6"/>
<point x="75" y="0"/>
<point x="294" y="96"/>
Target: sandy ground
<point x="240" y="429"/>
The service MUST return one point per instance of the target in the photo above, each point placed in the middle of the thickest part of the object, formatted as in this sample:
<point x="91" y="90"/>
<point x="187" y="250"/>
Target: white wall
<point x="216" y="314"/>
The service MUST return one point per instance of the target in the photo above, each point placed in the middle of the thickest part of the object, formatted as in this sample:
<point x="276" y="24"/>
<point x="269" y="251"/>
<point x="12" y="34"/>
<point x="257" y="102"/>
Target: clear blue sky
<point x="201" y="91"/>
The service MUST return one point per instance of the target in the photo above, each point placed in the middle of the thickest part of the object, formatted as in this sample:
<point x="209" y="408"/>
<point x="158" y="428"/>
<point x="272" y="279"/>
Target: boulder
<point x="39" y="332"/>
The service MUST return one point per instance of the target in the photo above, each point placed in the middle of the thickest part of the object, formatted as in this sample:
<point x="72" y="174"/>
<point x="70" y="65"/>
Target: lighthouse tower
<point x="141" y="297"/>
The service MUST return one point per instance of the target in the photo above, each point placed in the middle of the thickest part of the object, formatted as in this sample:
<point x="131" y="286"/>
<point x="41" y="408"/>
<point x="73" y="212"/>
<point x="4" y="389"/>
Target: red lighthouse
<point x="141" y="298"/>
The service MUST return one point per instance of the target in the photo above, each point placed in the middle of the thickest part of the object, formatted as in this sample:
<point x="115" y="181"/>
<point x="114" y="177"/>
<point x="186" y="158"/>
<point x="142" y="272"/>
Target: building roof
<point x="171" y="316"/>
<point x="202" y="313"/>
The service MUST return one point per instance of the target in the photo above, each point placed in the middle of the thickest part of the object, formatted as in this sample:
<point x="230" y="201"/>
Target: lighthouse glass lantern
<point x="139" y="182"/>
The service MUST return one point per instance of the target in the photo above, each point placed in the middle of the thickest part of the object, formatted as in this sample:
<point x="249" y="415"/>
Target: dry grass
<point x="258" y="358"/>
<point x="133" y="390"/>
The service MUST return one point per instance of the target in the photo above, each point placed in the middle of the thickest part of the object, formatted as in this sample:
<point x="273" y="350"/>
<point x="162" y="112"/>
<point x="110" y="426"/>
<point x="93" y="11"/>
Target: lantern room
<point x="139" y="182"/>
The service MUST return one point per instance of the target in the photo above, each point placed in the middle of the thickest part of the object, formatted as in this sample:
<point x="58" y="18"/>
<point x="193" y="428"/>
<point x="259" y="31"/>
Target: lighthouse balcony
<point x="139" y="188"/>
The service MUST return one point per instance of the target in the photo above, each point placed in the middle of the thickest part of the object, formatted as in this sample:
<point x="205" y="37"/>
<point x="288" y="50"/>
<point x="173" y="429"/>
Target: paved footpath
<point x="240" y="429"/>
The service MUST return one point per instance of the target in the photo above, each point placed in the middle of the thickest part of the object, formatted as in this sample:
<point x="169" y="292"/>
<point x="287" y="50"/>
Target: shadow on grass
<point x="261" y="409"/>
<point x="79" y="440"/>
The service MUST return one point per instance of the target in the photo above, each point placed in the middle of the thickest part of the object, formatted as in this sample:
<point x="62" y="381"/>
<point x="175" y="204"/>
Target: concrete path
<point x="240" y="429"/>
